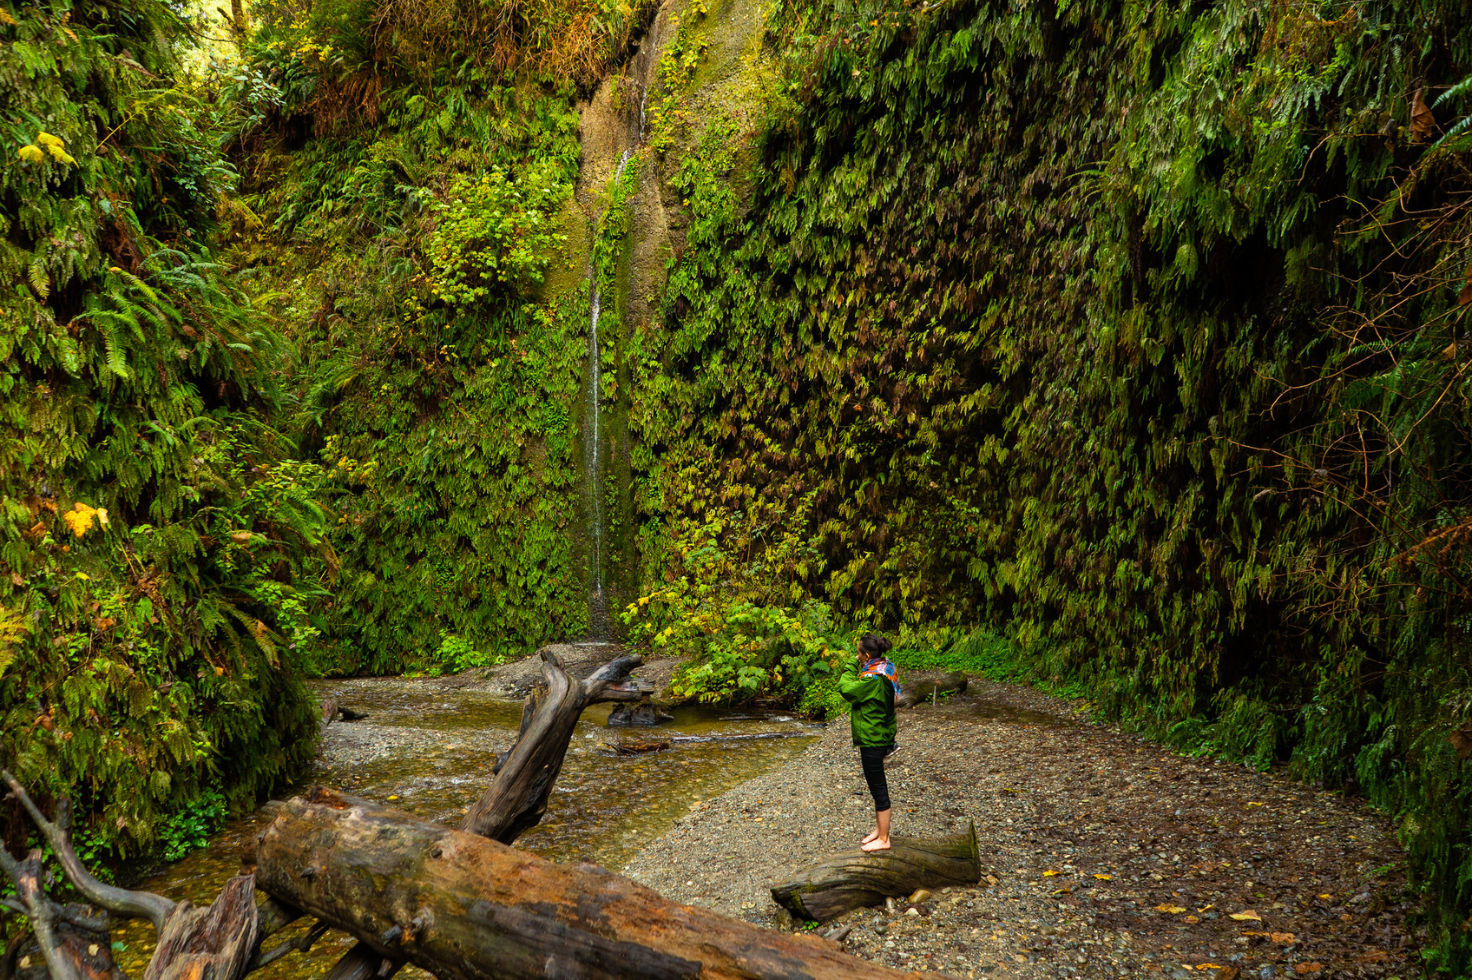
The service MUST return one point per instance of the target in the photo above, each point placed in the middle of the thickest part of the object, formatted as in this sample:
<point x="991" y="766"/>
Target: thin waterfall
<point x="598" y="621"/>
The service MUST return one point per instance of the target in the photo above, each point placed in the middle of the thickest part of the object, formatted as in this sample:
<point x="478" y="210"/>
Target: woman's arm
<point x="850" y="685"/>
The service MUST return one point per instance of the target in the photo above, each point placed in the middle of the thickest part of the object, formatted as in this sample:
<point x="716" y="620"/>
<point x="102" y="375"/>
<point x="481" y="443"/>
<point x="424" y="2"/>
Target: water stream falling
<point x="599" y="627"/>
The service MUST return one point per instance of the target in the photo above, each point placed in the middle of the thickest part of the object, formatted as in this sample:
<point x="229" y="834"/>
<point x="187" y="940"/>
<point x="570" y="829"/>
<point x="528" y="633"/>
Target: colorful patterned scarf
<point x="879" y="667"/>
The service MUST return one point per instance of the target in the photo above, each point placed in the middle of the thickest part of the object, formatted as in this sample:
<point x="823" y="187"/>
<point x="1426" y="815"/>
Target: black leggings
<point x="872" y="759"/>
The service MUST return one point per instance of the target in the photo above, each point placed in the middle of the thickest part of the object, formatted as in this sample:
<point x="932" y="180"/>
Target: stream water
<point x="429" y="750"/>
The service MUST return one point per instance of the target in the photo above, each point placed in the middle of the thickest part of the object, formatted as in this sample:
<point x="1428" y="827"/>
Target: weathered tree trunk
<point x="853" y="879"/>
<point x="467" y="908"/>
<point x="924" y="687"/>
<point x="517" y="797"/>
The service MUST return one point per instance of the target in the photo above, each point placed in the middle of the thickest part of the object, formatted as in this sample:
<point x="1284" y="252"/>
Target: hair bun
<point x="874" y="645"/>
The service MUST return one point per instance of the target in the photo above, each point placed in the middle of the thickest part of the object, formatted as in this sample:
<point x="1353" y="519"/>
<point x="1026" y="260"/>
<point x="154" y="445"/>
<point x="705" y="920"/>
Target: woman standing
<point x="868" y="685"/>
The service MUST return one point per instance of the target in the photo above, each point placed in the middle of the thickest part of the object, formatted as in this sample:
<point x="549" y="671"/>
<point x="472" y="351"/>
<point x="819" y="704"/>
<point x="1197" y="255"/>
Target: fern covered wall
<point x="158" y="542"/>
<point x="1135" y="330"/>
<point x="411" y="210"/>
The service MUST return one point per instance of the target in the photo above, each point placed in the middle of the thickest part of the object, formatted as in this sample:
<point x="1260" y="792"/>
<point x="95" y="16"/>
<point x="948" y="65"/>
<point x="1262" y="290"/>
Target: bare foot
<point x="873" y="835"/>
<point x="877" y="844"/>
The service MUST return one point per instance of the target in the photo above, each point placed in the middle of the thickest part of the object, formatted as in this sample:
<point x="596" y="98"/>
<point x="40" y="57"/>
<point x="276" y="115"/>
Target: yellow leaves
<point x="1049" y="874"/>
<point x="55" y="145"/>
<point x="1251" y="804"/>
<point x="1169" y="909"/>
<point x="80" y="518"/>
<point x="1246" y="915"/>
<point x="1281" y="938"/>
<point x="1104" y="877"/>
<point x="6" y="19"/>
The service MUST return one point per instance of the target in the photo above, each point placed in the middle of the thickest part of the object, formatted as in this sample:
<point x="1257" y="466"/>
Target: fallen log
<point x="467" y="908"/>
<point x="517" y="797"/>
<point x="919" y="688"/>
<point x="854" y="879"/>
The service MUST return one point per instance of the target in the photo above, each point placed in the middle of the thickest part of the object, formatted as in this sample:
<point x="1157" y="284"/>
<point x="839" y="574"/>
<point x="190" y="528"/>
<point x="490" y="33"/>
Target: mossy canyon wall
<point x="1136" y="332"/>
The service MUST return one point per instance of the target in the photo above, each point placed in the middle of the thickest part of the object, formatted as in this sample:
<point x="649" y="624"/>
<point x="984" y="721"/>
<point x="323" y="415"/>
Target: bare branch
<point x="301" y="945"/>
<point x="153" y="907"/>
<point x="41" y="911"/>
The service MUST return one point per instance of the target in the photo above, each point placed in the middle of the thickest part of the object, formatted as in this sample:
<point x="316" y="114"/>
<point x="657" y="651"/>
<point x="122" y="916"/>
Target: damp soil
<point x="1104" y="855"/>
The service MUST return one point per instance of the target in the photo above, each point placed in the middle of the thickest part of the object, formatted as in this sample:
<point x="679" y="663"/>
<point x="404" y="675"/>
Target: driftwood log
<point x="919" y="688"/>
<point x="517" y="797"/>
<point x="853" y="879"/>
<point x="467" y="908"/>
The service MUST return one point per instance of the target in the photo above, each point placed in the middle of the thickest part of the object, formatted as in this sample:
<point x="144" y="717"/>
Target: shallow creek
<point x="429" y="750"/>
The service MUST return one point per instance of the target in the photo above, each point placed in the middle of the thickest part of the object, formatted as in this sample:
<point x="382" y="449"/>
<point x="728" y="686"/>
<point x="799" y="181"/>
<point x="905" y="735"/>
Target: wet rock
<point x="642" y="715"/>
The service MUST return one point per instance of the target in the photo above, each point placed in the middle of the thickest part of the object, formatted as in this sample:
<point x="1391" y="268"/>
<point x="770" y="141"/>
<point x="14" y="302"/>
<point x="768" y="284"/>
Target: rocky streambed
<point x="1106" y="856"/>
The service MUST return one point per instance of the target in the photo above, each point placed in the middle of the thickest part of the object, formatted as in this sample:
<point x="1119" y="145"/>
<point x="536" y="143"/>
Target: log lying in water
<point x="467" y="908"/>
<point x="854" y="879"/>
<point x="919" y="688"/>
<point x="637" y="746"/>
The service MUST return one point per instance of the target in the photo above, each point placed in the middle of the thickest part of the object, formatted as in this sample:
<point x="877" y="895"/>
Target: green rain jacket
<point x="871" y="707"/>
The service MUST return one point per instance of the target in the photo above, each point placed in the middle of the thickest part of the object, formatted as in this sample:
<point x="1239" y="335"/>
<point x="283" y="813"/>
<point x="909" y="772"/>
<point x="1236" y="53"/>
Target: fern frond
<point x="1456" y="91"/>
<point x="40" y="281"/>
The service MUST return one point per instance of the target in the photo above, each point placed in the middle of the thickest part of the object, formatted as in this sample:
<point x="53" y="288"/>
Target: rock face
<point x="645" y="714"/>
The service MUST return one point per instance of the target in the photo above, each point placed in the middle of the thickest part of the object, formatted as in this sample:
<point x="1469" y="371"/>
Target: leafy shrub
<point x="731" y="612"/>
<point x="191" y="828"/>
<point x="496" y="232"/>
<point x="455" y="654"/>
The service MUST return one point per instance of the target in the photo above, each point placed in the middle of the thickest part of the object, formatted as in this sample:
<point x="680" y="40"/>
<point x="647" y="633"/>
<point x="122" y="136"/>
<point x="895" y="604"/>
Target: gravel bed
<point x="1104" y="855"/>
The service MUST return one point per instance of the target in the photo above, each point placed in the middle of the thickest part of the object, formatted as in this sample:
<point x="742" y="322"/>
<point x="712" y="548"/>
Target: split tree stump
<point x="467" y="908"/>
<point x="854" y="879"/>
<point x="517" y="797"/>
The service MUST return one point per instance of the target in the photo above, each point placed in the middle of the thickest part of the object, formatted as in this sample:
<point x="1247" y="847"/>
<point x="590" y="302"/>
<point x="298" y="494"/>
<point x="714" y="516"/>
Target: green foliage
<point x="153" y="533"/>
<point x="495" y="232"/>
<point x="980" y="652"/>
<point x="1133" y="331"/>
<point x="456" y="654"/>
<point x="190" y="828"/>
<point x="436" y="390"/>
<point x="731" y="601"/>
